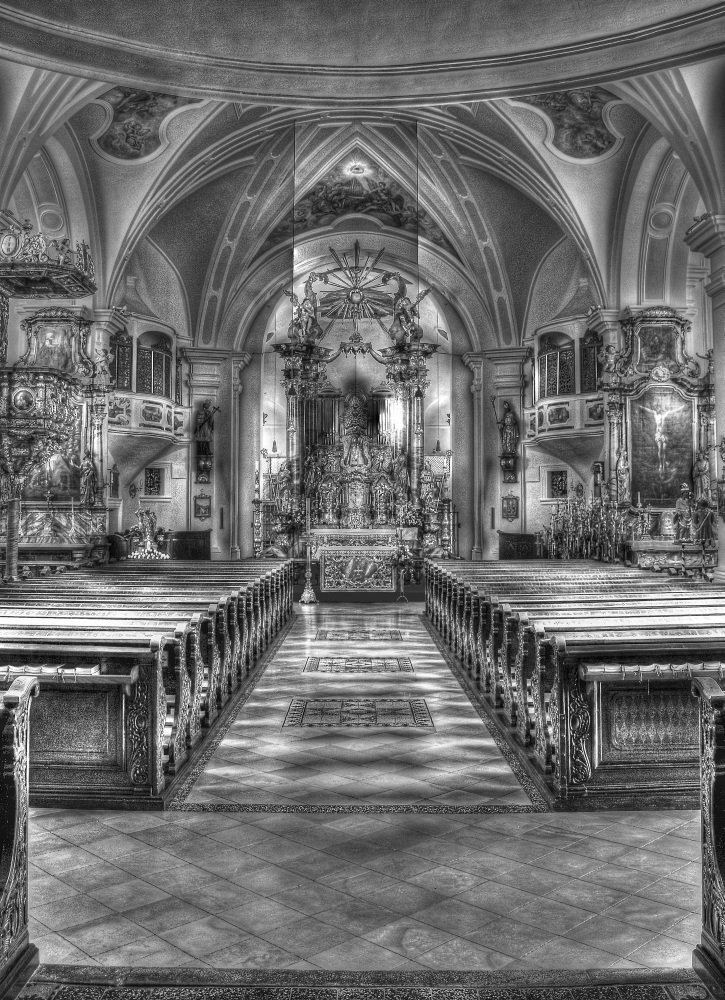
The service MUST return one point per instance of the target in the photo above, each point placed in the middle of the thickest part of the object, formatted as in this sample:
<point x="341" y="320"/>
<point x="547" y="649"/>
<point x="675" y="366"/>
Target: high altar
<point x="355" y="483"/>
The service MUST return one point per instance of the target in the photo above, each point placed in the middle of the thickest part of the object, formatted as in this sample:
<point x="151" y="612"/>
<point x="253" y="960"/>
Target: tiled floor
<point x="261" y="762"/>
<point x="352" y="890"/>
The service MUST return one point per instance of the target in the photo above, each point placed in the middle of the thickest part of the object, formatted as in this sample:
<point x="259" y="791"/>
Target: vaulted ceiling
<point x="222" y="199"/>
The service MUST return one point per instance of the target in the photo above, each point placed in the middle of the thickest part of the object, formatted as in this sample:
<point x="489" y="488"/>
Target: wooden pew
<point x="201" y="655"/>
<point x="505" y="639"/>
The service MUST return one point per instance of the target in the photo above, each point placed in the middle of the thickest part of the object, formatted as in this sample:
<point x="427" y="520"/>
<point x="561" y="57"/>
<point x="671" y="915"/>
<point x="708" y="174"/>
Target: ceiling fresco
<point x="137" y="117"/>
<point x="577" y="116"/>
<point x="358" y="186"/>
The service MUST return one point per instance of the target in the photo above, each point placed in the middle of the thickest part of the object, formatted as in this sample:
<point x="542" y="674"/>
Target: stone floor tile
<point x="461" y="954"/>
<point x="563" y="953"/>
<point x="46" y="888"/>
<point x="56" y="950"/>
<point x="149" y="951"/>
<point x="642" y="912"/>
<point x="93" y="938"/>
<point x="357" y="954"/>
<point x="550" y="914"/>
<point x="307" y="937"/>
<point x="510" y="937"/>
<point x="252" y="953"/>
<point x="165" y="915"/>
<point x="63" y="914"/>
<point x="128" y="895"/>
<point x="202" y="937"/>
<point x="408" y="937"/>
<point x="609" y="934"/>
<point x="662" y="952"/>
<point x="496" y="898"/>
<point x="455" y="916"/>
<point x="260" y="914"/>
<point x="358" y="916"/>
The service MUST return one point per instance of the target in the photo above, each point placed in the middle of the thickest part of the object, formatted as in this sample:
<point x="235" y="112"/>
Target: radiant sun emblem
<point x="358" y="284"/>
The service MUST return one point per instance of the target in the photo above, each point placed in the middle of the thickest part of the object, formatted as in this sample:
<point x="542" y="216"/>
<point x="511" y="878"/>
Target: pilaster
<point x="505" y="371"/>
<point x="707" y="237"/>
<point x="240" y="360"/>
<point x="475" y="362"/>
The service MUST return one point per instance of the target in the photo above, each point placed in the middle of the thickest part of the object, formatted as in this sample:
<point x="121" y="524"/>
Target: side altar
<point x="354" y="485"/>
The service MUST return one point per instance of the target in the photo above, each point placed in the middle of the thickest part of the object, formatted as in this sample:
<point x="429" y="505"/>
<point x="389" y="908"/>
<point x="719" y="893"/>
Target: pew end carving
<point x="16" y="952"/>
<point x="708" y="959"/>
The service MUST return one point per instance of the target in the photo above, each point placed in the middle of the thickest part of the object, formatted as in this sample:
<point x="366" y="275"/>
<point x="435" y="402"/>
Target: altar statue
<point x="401" y="478"/>
<point x="312" y="474"/>
<point x="204" y="428"/>
<point x="89" y="481"/>
<point x="356" y="453"/>
<point x="509" y="431"/>
<point x="405" y="328"/>
<point x="623" y="494"/>
<point x="701" y="476"/>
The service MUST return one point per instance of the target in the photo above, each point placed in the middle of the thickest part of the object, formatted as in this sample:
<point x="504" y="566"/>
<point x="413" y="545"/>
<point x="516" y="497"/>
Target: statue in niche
<point x="701" y="477"/>
<point x="401" y="478"/>
<point x="356" y="452"/>
<point x="284" y="486"/>
<point x="89" y="481"/>
<point x="312" y="474"/>
<point x="329" y="499"/>
<point x="383" y="461"/>
<point x="683" y="514"/>
<point x="509" y="428"/>
<point x="204" y="428"/>
<point x="405" y="329"/>
<point x="623" y="494"/>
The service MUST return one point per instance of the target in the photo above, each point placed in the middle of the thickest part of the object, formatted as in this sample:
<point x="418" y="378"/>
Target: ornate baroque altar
<point x="354" y="470"/>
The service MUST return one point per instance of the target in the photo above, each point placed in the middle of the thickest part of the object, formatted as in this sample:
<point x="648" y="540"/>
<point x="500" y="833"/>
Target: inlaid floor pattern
<point x="330" y="888"/>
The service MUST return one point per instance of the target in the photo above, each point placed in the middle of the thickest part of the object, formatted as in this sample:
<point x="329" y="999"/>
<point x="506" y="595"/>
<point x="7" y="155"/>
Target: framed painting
<point x="656" y="345"/>
<point x="202" y="506"/>
<point x="662" y="428"/>
<point x="510" y="507"/>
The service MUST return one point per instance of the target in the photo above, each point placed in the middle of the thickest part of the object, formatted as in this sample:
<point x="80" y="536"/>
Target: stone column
<point x="239" y="363"/>
<point x="707" y="237"/>
<point x="4" y="319"/>
<point x="505" y="369"/>
<point x="475" y="363"/>
<point x="105" y="323"/>
<point x="606" y="323"/>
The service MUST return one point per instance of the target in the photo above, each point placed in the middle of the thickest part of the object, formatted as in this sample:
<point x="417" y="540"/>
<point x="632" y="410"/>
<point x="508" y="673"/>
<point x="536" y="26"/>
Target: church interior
<point x="362" y="458"/>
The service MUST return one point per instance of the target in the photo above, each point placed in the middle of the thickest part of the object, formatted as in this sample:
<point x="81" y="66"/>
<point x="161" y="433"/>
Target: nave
<point x="360" y="813"/>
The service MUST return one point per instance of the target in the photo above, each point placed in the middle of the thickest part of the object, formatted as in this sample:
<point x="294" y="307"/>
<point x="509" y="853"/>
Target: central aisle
<point x="358" y="707"/>
<point x="358" y="836"/>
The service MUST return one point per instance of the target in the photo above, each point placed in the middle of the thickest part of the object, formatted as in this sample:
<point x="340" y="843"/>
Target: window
<point x="590" y="367"/>
<point x="153" y="365"/>
<point x="556" y="365"/>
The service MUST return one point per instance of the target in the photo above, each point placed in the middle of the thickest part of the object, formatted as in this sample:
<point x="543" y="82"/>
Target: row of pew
<point x="589" y="668"/>
<point x="135" y="662"/>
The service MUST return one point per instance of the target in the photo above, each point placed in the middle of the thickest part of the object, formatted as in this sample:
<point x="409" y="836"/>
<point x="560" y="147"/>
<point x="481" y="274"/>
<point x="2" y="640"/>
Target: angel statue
<point x="404" y="329"/>
<point x="304" y="328"/>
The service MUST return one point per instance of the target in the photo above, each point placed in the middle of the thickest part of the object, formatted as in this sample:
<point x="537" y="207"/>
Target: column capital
<point x="506" y="365"/>
<point x="240" y="360"/>
<point x="475" y="363"/>
<point x="605" y="322"/>
<point x="707" y="235"/>
<point x="204" y="369"/>
<point x="109" y="321"/>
